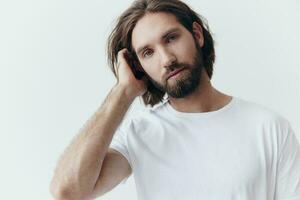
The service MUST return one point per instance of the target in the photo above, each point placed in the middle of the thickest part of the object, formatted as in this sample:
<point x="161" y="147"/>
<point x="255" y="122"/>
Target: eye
<point x="147" y="53"/>
<point x="171" y="38"/>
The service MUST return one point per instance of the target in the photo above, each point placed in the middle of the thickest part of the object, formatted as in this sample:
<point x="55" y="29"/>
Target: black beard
<point x="188" y="82"/>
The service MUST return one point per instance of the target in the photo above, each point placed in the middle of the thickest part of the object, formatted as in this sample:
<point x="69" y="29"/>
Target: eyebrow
<point x="163" y="37"/>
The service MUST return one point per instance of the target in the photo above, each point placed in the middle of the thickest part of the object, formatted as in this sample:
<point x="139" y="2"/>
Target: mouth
<point x="175" y="72"/>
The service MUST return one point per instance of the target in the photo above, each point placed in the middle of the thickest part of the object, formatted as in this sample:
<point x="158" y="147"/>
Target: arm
<point x="288" y="166"/>
<point x="79" y="173"/>
<point x="114" y="169"/>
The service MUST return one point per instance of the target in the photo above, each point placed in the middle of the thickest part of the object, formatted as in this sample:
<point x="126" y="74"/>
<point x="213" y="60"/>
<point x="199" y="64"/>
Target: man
<point x="193" y="142"/>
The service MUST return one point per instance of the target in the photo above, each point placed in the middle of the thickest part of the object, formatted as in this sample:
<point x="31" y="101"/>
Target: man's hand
<point x="126" y="78"/>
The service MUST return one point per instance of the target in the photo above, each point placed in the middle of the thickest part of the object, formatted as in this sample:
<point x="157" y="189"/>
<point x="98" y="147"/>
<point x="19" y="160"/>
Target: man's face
<point x="163" y="46"/>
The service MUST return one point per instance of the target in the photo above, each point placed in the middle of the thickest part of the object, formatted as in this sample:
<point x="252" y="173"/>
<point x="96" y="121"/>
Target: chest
<point x="200" y="162"/>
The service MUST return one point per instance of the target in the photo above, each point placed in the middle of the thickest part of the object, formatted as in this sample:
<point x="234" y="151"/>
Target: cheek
<point x="152" y="68"/>
<point x="155" y="74"/>
<point x="186" y="52"/>
<point x="185" y="49"/>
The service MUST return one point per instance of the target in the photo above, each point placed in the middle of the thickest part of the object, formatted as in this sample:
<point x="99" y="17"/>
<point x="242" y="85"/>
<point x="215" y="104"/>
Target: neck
<point x="204" y="99"/>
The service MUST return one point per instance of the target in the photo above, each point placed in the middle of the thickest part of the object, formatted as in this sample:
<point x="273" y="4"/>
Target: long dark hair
<point x="120" y="36"/>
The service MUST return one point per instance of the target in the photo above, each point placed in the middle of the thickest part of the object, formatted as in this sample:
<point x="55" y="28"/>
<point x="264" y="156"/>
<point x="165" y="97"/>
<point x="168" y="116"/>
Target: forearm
<point x="79" y="166"/>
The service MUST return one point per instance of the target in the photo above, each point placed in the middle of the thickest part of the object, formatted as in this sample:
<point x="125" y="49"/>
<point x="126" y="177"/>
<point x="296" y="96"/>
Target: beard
<point x="187" y="82"/>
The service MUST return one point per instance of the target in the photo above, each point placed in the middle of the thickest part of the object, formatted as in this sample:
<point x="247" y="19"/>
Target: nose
<point x="167" y="57"/>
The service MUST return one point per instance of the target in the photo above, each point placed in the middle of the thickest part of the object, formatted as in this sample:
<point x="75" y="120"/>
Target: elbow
<point x="59" y="193"/>
<point x="66" y="194"/>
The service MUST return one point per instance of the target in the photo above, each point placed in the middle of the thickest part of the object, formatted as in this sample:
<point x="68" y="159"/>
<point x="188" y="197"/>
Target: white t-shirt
<point x="243" y="151"/>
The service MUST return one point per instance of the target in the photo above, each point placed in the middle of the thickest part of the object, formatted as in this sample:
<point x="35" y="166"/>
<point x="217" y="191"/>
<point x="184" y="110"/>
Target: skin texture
<point x="88" y="168"/>
<point x="164" y="55"/>
<point x="179" y="49"/>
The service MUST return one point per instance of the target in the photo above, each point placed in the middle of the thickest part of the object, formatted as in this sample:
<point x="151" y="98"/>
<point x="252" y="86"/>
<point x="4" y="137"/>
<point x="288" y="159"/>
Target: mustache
<point x="174" y="67"/>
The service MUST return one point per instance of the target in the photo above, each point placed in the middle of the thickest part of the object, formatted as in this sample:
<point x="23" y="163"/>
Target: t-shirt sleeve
<point x="119" y="142"/>
<point x="288" y="167"/>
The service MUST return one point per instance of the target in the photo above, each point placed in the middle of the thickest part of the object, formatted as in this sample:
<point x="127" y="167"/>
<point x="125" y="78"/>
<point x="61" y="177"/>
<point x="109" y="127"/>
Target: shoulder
<point x="262" y="113"/>
<point x="140" y="116"/>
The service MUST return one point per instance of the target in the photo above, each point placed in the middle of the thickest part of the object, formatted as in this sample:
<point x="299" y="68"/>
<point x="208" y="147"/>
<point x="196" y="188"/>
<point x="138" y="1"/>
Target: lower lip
<point x="177" y="74"/>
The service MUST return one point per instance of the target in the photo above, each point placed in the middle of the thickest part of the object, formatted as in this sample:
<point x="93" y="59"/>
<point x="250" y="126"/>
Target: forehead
<point x="151" y="27"/>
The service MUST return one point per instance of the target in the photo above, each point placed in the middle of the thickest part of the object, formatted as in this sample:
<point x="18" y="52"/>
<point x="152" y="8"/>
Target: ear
<point x="198" y="33"/>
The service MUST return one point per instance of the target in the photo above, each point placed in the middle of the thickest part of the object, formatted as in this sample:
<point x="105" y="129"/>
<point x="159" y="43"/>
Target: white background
<point x="54" y="75"/>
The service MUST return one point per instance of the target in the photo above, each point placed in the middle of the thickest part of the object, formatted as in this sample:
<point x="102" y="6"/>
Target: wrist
<point x="124" y="91"/>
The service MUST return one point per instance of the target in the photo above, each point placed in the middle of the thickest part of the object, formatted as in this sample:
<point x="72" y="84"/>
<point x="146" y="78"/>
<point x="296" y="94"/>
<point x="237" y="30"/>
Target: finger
<point x="120" y="57"/>
<point x="120" y="60"/>
<point x="116" y="68"/>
